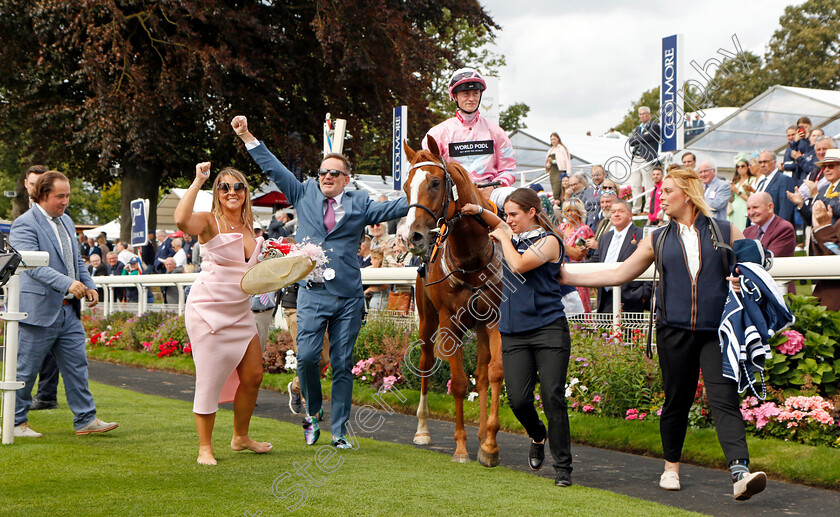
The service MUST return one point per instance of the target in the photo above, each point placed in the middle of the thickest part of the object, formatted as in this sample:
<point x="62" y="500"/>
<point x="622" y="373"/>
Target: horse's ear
<point x="409" y="152"/>
<point x="432" y="146"/>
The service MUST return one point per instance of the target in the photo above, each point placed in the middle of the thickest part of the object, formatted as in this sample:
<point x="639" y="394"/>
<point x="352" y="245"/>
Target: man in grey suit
<point x="717" y="191"/>
<point x="592" y="195"/>
<point x="50" y="296"/>
<point x="335" y="219"/>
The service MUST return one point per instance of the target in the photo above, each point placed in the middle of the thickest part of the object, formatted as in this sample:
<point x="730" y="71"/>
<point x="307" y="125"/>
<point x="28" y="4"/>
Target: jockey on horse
<point x="477" y="143"/>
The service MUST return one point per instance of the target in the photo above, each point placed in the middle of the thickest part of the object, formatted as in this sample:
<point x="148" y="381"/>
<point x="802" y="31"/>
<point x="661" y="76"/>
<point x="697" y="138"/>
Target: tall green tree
<point x="805" y="50"/>
<point x="513" y="116"/>
<point x="144" y="90"/>
<point x="733" y="86"/>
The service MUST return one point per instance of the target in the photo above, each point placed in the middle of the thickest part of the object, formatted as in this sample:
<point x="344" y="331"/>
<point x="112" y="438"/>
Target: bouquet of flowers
<point x="273" y="248"/>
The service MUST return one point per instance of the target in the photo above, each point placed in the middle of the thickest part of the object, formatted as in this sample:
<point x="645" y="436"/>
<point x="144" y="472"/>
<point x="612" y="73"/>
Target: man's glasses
<point x="334" y="173"/>
<point x="761" y="162"/>
<point x="237" y="187"/>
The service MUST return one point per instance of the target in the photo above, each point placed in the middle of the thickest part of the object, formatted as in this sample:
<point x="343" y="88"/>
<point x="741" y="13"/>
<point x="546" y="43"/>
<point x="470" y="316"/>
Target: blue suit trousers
<point x="66" y="339"/>
<point x="318" y="310"/>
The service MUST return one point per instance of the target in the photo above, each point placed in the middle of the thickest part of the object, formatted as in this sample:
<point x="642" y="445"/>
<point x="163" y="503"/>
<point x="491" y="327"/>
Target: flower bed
<point x="605" y="377"/>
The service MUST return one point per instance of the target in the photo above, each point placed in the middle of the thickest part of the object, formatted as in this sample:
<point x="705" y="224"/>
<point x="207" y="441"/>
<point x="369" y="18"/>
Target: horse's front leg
<point x="428" y="325"/>
<point x="449" y="346"/>
<point x="488" y="453"/>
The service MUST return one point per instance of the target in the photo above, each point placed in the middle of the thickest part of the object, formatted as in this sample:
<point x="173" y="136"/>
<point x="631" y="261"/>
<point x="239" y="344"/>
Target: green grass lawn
<point x="147" y="467"/>
<point x="816" y="466"/>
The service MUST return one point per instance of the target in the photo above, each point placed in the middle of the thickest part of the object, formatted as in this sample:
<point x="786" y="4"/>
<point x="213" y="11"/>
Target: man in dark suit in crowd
<point x="364" y="251"/>
<point x="645" y="145"/>
<point x="147" y="254"/>
<point x="592" y="195"/>
<point x="115" y="268"/>
<point x="164" y="249"/>
<point x="617" y="245"/>
<point x="276" y="228"/>
<point x="50" y="298"/>
<point x="775" y="183"/>
<point x="829" y="193"/>
<point x="826" y="242"/>
<point x="97" y="268"/>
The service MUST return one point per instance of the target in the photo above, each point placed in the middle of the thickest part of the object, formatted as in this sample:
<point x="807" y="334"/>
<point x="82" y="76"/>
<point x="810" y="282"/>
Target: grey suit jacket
<point x="717" y="197"/>
<point x="43" y="289"/>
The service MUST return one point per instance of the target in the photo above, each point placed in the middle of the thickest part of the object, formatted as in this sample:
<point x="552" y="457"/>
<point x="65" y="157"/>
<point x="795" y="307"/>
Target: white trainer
<point x="24" y="431"/>
<point x="669" y="480"/>
<point x="749" y="485"/>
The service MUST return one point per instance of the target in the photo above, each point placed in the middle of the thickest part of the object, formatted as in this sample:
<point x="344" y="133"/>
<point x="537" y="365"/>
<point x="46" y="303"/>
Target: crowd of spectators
<point x="767" y="198"/>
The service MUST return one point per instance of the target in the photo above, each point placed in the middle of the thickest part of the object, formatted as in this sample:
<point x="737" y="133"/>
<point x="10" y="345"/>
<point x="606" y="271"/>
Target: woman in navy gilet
<point x="535" y="334"/>
<point x="690" y="301"/>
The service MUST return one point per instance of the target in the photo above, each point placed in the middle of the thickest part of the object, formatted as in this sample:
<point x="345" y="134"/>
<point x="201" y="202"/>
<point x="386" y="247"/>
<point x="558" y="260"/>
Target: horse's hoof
<point x="422" y="439"/>
<point x="487" y="459"/>
<point x="461" y="458"/>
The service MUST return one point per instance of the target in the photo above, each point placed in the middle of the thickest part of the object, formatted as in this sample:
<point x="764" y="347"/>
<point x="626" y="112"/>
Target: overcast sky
<point x="580" y="65"/>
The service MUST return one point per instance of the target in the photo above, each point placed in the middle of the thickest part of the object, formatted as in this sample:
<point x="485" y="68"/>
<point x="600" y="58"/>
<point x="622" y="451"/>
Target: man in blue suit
<point x="775" y="183"/>
<point x="50" y="296"/>
<point x="335" y="219"/>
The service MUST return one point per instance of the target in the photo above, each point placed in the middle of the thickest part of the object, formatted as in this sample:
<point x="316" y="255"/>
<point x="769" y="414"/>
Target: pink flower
<point x="632" y="414"/>
<point x="642" y="416"/>
<point x="448" y="385"/>
<point x="659" y="412"/>
<point x="596" y="398"/>
<point x="795" y="342"/>
<point x="588" y="409"/>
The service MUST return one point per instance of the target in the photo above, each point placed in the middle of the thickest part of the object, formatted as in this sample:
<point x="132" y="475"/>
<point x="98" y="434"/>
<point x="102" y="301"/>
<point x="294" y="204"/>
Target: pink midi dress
<point x="219" y="320"/>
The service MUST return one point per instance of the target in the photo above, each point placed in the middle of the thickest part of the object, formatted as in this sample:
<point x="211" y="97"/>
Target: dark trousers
<point x="544" y="351"/>
<point x="48" y="379"/>
<point x="682" y="354"/>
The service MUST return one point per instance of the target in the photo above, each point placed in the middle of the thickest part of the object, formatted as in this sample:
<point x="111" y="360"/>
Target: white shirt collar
<point x="622" y="233"/>
<point x="338" y="198"/>
<point x="685" y="230"/>
<point x="769" y="177"/>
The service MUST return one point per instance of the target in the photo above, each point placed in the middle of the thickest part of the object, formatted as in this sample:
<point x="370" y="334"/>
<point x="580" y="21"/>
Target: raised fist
<point x="202" y="172"/>
<point x="239" y="125"/>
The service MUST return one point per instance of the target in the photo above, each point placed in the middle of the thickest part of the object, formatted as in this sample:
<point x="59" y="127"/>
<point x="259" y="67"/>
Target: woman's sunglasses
<point x="237" y="187"/>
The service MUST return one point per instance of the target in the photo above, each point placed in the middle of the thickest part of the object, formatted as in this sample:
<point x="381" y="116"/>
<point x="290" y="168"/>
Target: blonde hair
<point x="246" y="215"/>
<point x="689" y="183"/>
<point x="577" y="206"/>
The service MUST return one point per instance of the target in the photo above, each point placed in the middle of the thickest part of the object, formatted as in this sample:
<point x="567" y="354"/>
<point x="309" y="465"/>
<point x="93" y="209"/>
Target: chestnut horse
<point x="461" y="290"/>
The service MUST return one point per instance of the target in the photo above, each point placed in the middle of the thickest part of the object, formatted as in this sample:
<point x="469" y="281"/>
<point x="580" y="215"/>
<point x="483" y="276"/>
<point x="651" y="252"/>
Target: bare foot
<point x="241" y="443"/>
<point x="205" y="455"/>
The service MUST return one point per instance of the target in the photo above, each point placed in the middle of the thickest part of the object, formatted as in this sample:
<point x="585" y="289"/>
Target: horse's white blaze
<point x="416" y="181"/>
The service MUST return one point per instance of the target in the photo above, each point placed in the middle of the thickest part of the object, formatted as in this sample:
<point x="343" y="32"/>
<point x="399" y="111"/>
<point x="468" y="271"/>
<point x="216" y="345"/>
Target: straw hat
<point x="273" y="274"/>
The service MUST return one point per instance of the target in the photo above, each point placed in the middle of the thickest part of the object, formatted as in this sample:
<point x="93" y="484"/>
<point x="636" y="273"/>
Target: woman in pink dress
<point x="574" y="233"/>
<point x="220" y="324"/>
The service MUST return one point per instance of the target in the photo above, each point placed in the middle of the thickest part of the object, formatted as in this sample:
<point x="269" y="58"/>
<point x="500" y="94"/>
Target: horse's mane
<point x="467" y="191"/>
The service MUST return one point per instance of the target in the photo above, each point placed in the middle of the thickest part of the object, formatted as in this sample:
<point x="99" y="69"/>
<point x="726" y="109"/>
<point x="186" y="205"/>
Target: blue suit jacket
<point x="42" y="289"/>
<point x="342" y="243"/>
<point x="778" y="188"/>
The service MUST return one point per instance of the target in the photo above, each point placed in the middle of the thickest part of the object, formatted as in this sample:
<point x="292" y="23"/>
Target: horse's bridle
<point x="441" y="222"/>
<point x="444" y="226"/>
<point x="448" y="185"/>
